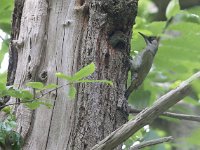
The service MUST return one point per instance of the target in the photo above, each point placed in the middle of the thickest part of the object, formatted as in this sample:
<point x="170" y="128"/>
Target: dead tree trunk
<point x="52" y="36"/>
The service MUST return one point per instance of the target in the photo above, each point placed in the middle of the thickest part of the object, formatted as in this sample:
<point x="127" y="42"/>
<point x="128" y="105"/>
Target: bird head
<point x="148" y="39"/>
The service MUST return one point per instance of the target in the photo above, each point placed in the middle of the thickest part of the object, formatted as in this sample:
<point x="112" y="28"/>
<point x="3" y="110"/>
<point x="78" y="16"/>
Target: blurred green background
<point x="178" y="57"/>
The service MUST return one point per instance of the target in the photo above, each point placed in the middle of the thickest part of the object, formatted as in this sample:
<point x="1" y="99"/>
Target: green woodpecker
<point x="141" y="64"/>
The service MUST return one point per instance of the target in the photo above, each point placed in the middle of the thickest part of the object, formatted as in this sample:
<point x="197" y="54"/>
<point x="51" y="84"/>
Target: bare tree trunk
<point x="63" y="36"/>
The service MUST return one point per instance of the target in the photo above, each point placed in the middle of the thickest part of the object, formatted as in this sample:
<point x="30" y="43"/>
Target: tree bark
<point x="63" y="36"/>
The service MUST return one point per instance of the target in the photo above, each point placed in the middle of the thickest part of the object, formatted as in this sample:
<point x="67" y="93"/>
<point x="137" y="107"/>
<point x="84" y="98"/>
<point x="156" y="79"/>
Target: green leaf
<point x="172" y="9"/>
<point x="184" y="16"/>
<point x="50" y="86"/>
<point x="96" y="81"/>
<point x="193" y="18"/>
<point x="3" y="49"/>
<point x="11" y="124"/>
<point x="63" y="76"/>
<point x="14" y="93"/>
<point x="155" y="27"/>
<point x="7" y="109"/>
<point x="194" y="138"/>
<point x="140" y="22"/>
<point x="2" y="87"/>
<point x="6" y="9"/>
<point x="84" y="72"/>
<point x="36" y="103"/>
<point x="3" y="77"/>
<point x="35" y="85"/>
<point x="17" y="140"/>
<point x="2" y="137"/>
<point x="11" y="117"/>
<point x="48" y="105"/>
<point x="3" y="90"/>
<point x="33" y="105"/>
<point x="72" y="92"/>
<point x="26" y="95"/>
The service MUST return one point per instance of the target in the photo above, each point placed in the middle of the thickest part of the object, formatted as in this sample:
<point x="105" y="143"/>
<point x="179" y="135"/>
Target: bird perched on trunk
<point x="141" y="64"/>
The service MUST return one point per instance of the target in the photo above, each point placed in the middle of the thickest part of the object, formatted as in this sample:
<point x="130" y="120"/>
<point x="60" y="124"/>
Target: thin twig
<point x="52" y="90"/>
<point x="170" y="114"/>
<point x="151" y="143"/>
<point x="182" y="116"/>
<point x="18" y="103"/>
<point x="34" y="95"/>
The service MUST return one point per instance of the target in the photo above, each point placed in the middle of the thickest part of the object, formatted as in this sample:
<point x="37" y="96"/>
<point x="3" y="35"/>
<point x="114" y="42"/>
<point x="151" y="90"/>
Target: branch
<point x="182" y="116"/>
<point x="146" y="116"/>
<point x="172" y="115"/>
<point x="42" y="95"/>
<point x="151" y="143"/>
<point x="17" y="103"/>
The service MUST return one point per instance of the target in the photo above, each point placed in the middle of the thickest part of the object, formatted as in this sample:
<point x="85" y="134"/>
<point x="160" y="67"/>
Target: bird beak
<point x="145" y="37"/>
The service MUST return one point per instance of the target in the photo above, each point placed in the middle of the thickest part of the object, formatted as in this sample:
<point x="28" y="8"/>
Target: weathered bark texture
<point x="17" y="13"/>
<point x="63" y="36"/>
<point x="13" y="55"/>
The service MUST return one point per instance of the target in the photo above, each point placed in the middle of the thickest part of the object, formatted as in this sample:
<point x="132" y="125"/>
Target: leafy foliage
<point x="178" y="54"/>
<point x="79" y="78"/>
<point x="9" y="139"/>
<point x="32" y="101"/>
<point x="172" y="9"/>
<point x="177" y="58"/>
<point x="6" y="9"/>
